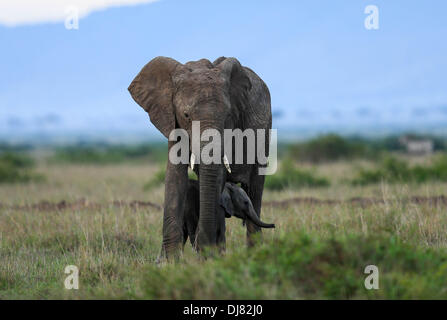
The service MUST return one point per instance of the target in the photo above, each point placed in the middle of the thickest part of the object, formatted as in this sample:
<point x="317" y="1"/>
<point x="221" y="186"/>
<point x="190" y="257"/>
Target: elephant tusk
<point x="191" y="162"/>
<point x="226" y="163"/>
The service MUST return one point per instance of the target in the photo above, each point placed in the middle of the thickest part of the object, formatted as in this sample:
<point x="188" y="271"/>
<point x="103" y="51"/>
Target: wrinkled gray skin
<point x="233" y="202"/>
<point x="221" y="95"/>
<point x="192" y="214"/>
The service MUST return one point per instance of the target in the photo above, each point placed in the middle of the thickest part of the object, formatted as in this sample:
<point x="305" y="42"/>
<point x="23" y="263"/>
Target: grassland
<point x="319" y="248"/>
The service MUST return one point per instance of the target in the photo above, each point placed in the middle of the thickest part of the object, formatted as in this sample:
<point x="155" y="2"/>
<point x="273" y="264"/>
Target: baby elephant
<point x="233" y="201"/>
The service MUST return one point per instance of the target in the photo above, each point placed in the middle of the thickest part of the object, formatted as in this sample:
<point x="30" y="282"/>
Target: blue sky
<point x="325" y="71"/>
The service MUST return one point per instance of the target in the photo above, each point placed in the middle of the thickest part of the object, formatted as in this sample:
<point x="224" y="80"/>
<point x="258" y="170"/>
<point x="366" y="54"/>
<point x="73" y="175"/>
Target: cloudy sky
<point x="325" y="70"/>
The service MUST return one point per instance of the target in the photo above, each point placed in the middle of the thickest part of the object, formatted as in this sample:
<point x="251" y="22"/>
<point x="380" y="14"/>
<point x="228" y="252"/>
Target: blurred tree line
<point x="333" y="147"/>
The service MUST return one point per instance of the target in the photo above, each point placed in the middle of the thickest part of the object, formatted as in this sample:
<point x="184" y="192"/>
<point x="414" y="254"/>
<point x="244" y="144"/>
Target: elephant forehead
<point x="199" y="88"/>
<point x="199" y="76"/>
<point x="197" y="98"/>
<point x="201" y="64"/>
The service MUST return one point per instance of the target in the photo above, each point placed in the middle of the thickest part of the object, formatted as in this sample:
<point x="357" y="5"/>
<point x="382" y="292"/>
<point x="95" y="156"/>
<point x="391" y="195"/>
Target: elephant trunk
<point x="207" y="229"/>
<point x="209" y="191"/>
<point x="253" y="217"/>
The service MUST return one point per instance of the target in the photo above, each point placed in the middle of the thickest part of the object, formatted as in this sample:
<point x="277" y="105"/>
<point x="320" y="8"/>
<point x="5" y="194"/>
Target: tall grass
<point x="315" y="251"/>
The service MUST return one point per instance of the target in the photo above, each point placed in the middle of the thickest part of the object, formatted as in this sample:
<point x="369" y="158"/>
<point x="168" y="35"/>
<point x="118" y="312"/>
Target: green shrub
<point x="394" y="170"/>
<point x="159" y="178"/>
<point x="105" y="154"/>
<point x="16" y="160"/>
<point x="299" y="266"/>
<point x="15" y="167"/>
<point x="289" y="177"/>
<point x="333" y="147"/>
<point x="330" y="147"/>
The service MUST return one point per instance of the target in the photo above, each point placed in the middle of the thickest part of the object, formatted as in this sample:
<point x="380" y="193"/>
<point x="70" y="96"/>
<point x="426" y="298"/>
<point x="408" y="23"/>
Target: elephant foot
<point x="169" y="254"/>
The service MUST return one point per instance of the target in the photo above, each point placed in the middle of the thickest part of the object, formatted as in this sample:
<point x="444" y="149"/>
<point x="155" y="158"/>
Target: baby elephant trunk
<point x="253" y="217"/>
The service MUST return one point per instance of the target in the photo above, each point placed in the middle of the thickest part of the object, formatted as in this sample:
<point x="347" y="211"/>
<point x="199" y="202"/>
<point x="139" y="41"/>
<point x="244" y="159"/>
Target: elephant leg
<point x="176" y="184"/>
<point x="185" y="226"/>
<point x="220" y="212"/>
<point x="254" y="191"/>
<point x="191" y="216"/>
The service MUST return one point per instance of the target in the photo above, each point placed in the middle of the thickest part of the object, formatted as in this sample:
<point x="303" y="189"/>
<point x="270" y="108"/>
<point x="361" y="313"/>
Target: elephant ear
<point x="152" y="89"/>
<point x="226" y="203"/>
<point x="239" y="82"/>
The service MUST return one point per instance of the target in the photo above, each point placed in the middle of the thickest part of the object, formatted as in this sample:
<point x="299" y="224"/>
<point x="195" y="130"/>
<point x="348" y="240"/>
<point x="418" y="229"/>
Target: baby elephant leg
<point x="192" y="209"/>
<point x="221" y="240"/>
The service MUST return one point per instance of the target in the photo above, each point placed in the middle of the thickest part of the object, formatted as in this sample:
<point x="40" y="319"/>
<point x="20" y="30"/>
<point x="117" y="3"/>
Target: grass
<point x="316" y="250"/>
<point x="301" y="266"/>
<point x="395" y="170"/>
<point x="159" y="178"/>
<point x="290" y="177"/>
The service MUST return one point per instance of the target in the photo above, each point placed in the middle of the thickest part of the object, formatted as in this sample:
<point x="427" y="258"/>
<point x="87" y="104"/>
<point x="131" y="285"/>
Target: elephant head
<point x="174" y="95"/>
<point x="235" y="201"/>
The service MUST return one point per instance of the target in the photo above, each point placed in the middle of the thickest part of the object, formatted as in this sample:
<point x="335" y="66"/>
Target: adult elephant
<point x="221" y="95"/>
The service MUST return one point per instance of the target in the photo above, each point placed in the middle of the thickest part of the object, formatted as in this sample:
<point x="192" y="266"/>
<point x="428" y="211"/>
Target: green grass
<point x="17" y="167"/>
<point x="299" y="266"/>
<point x="158" y="179"/>
<point x="395" y="170"/>
<point x="290" y="177"/>
<point x="317" y="250"/>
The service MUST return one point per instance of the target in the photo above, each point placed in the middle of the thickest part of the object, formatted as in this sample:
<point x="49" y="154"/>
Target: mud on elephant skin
<point x="221" y="95"/>
<point x="234" y="201"/>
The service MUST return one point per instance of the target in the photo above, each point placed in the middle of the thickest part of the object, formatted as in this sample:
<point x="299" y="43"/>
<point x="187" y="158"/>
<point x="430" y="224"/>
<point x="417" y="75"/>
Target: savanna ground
<point x="101" y="218"/>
